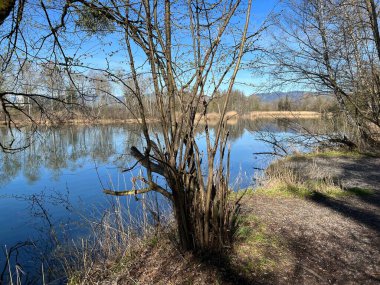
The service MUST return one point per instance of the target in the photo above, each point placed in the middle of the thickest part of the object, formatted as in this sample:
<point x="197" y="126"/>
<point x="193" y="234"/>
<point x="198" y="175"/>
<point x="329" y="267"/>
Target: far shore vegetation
<point x="212" y="118"/>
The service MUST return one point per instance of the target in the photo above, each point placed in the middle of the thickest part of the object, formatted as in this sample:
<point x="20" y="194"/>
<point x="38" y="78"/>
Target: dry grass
<point x="282" y="115"/>
<point x="82" y="121"/>
<point x="231" y="118"/>
<point x="257" y="255"/>
<point x="108" y="121"/>
<point x="118" y="255"/>
<point x="162" y="263"/>
<point x="213" y="118"/>
<point x="284" y="180"/>
<point x="112" y="243"/>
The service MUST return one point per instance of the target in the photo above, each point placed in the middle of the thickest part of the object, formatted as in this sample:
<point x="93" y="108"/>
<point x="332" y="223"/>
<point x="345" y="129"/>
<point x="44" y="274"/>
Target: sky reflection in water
<point x="74" y="163"/>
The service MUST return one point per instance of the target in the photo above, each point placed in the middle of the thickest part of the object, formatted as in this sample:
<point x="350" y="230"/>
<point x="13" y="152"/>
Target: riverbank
<point x="314" y="220"/>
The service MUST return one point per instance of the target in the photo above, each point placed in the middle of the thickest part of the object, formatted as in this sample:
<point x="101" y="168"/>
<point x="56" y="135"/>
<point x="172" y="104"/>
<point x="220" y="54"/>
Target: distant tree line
<point x="94" y="95"/>
<point x="241" y="103"/>
<point x="78" y="96"/>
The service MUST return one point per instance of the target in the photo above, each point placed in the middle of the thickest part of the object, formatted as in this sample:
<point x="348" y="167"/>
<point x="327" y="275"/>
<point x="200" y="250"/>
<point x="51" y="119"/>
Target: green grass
<point x="358" y="191"/>
<point x="333" y="153"/>
<point x="282" y="180"/>
<point x="122" y="263"/>
<point x="153" y="241"/>
<point x="285" y="190"/>
<point x="256" y="245"/>
<point x="252" y="230"/>
<point x="309" y="188"/>
<point x="329" y="154"/>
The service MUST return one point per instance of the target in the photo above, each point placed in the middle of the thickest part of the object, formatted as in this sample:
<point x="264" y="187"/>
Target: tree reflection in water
<point x="56" y="149"/>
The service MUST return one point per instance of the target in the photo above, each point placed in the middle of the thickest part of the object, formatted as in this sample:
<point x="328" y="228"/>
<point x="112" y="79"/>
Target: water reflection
<point x="67" y="148"/>
<point x="79" y="159"/>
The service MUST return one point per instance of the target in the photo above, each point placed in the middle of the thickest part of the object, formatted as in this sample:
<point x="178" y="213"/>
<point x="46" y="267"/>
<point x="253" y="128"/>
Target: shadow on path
<point x="370" y="219"/>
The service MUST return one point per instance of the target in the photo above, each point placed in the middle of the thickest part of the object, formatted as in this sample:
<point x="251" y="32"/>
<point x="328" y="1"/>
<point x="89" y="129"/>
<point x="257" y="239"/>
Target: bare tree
<point x="23" y="47"/>
<point x="196" y="184"/>
<point x="332" y="46"/>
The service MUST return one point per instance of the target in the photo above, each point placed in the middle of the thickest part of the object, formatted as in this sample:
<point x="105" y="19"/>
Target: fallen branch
<point x="152" y="187"/>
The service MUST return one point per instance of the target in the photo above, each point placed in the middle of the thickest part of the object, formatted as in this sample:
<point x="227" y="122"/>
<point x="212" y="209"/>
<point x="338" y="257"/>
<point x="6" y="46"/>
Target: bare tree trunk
<point x="6" y="6"/>
<point x="204" y="214"/>
<point x="372" y="13"/>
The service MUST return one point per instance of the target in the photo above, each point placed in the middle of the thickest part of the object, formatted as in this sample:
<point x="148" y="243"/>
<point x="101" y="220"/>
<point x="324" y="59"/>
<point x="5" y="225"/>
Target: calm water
<point x="61" y="175"/>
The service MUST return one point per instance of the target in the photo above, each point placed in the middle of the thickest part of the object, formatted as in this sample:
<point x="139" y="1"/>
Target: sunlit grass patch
<point x="336" y="153"/>
<point x="327" y="154"/>
<point x="283" y="180"/>
<point x="234" y="195"/>
<point x="256" y="246"/>
<point x="326" y="187"/>
<point x="309" y="188"/>
<point x="331" y="153"/>
<point x="283" y="189"/>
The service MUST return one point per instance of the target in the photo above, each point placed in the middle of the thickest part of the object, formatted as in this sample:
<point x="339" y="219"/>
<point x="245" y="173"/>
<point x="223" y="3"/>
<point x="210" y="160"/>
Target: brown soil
<point x="320" y="240"/>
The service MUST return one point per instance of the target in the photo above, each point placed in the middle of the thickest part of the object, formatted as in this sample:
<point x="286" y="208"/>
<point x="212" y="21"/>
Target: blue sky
<point x="93" y="50"/>
<point x="246" y="81"/>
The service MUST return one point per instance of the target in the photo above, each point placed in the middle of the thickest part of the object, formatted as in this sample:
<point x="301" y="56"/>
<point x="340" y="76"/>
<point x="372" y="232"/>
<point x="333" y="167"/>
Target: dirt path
<point x="328" y="241"/>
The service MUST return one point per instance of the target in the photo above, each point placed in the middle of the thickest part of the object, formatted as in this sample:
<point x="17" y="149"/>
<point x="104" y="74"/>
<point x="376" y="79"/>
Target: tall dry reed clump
<point x="113" y="241"/>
